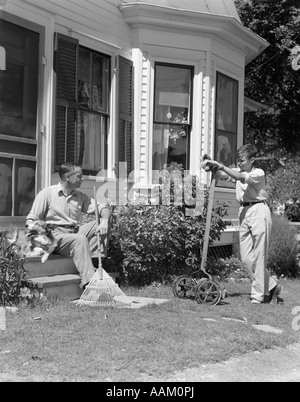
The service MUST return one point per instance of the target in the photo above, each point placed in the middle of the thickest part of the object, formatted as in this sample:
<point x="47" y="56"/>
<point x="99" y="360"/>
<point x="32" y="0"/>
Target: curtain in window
<point x="160" y="146"/>
<point x="91" y="133"/>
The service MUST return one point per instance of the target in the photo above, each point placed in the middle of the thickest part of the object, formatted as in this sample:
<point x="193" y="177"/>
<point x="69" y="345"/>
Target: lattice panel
<point x="224" y="251"/>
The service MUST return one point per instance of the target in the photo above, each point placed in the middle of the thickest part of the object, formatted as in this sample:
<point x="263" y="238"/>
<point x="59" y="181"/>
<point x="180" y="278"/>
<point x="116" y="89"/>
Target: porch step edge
<point x="55" y="280"/>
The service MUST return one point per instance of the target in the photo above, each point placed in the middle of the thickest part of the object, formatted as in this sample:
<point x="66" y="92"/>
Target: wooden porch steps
<point x="57" y="277"/>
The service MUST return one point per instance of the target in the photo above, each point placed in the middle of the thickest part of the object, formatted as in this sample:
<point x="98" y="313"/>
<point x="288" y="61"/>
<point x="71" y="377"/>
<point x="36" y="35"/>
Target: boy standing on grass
<point x="255" y="221"/>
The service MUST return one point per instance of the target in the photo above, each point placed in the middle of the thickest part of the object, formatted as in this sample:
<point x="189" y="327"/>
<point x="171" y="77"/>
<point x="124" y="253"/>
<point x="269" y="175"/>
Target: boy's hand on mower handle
<point x="203" y="163"/>
<point x="209" y="164"/>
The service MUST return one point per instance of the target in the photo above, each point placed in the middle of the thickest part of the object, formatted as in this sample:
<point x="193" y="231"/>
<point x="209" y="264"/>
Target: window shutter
<point x="125" y="143"/>
<point x="65" y="66"/>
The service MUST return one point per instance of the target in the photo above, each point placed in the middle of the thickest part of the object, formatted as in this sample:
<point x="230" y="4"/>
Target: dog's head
<point x="38" y="233"/>
<point x="37" y="228"/>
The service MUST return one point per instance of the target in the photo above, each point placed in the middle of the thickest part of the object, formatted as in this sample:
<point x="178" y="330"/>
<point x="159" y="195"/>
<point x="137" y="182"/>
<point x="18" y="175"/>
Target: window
<point x="172" y="115"/>
<point x="226" y="123"/>
<point x="82" y="108"/>
<point x="93" y="87"/>
<point x="19" y="87"/>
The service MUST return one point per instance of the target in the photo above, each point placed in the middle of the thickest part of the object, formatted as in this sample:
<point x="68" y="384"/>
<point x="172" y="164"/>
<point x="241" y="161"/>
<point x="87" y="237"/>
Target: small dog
<point x="41" y="238"/>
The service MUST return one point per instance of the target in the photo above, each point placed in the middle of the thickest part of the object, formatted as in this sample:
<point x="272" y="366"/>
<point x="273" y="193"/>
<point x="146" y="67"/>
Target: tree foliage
<point x="273" y="78"/>
<point x="284" y="187"/>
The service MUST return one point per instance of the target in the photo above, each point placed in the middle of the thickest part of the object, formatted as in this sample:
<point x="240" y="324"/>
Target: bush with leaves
<point x="14" y="289"/>
<point x="12" y="273"/>
<point x="284" y="187"/>
<point x="271" y="77"/>
<point x="283" y="248"/>
<point x="154" y="243"/>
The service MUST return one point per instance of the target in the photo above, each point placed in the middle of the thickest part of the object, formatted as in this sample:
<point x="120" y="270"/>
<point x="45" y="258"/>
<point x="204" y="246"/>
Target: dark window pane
<point x="84" y="78"/>
<point x="226" y="105"/>
<point x="100" y="83"/>
<point x="172" y="94"/>
<point x="5" y="186"/>
<point x="25" y="187"/>
<point x="18" y="98"/>
<point x="18" y="148"/>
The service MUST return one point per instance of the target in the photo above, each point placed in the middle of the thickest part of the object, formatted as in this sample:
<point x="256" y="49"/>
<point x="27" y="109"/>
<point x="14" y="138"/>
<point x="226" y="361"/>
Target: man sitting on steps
<point x="62" y="206"/>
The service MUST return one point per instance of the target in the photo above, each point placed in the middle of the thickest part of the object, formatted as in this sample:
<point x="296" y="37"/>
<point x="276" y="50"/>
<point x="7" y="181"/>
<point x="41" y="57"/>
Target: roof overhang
<point x="224" y="28"/>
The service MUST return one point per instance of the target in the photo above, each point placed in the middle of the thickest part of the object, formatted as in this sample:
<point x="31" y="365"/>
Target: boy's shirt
<point x="254" y="187"/>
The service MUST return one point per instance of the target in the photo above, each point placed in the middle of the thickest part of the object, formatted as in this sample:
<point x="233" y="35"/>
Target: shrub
<point x="154" y="243"/>
<point x="284" y="187"/>
<point x="14" y="290"/>
<point x="292" y="210"/>
<point x="11" y="273"/>
<point x="283" y="248"/>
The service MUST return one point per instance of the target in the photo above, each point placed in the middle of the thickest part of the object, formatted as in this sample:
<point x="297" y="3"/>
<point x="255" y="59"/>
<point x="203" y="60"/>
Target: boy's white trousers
<point x="255" y="229"/>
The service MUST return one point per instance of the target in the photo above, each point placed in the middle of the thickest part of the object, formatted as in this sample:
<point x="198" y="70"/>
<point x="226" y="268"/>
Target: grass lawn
<point x="60" y="341"/>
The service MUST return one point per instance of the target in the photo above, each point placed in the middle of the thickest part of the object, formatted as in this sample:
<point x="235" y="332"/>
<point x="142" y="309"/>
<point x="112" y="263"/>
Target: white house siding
<point x="92" y="21"/>
<point x="143" y="128"/>
<point x="99" y="19"/>
<point x="183" y="37"/>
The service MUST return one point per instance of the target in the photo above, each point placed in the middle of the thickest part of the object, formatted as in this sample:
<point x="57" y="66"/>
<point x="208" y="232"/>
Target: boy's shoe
<point x="255" y="301"/>
<point x="275" y="294"/>
<point x="279" y="300"/>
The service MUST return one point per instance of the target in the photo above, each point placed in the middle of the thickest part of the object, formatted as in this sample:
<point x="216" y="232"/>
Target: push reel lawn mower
<point x="205" y="289"/>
